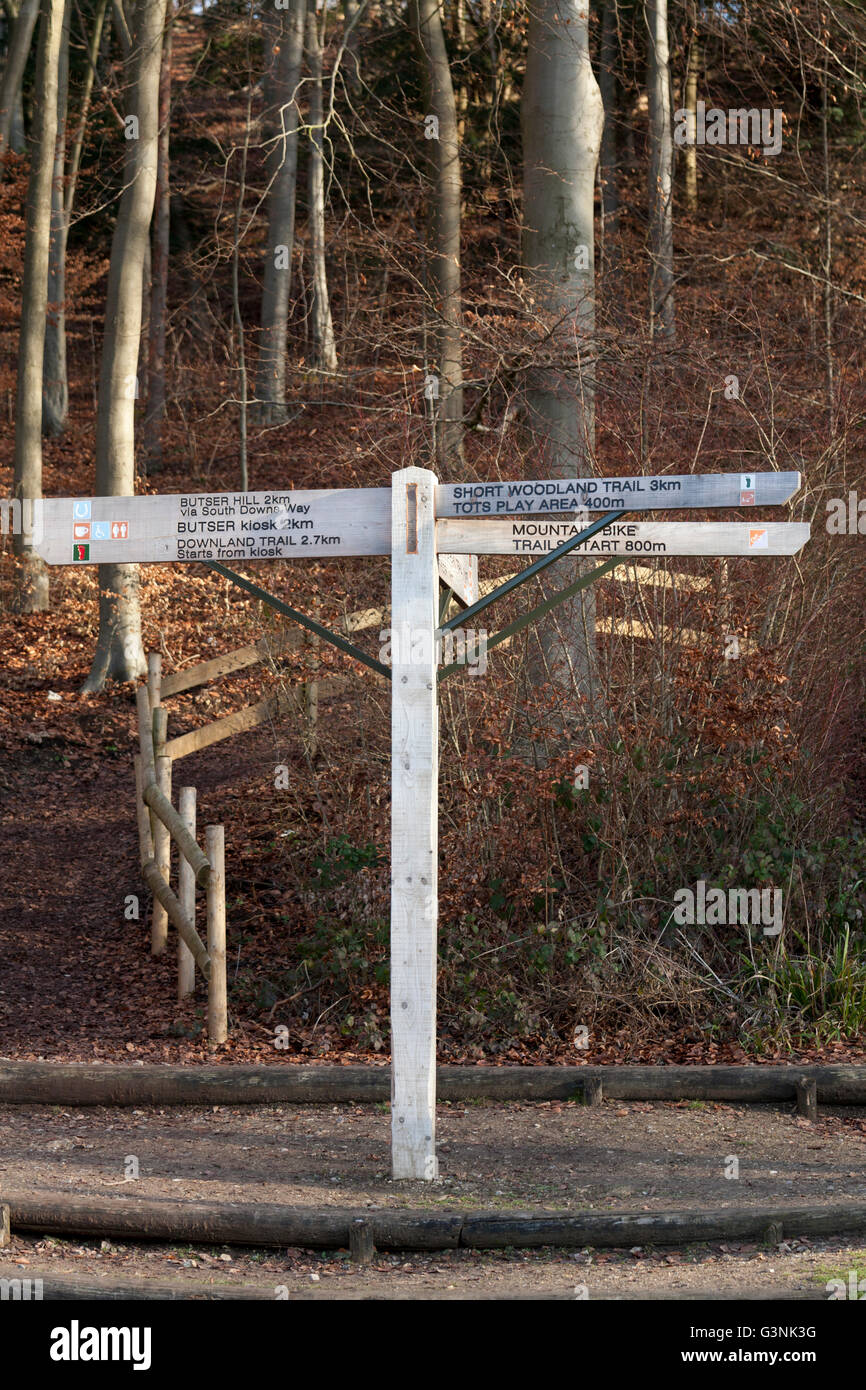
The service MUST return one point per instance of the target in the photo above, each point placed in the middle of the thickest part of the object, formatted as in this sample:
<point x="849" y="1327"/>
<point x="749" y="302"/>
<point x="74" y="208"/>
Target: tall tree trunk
<point x="323" y="329"/>
<point x="33" y="590"/>
<point x="119" y="651"/>
<point x="55" y="382"/>
<point x="661" y="279"/>
<point x="84" y="109"/>
<point x="444" y="278"/>
<point x="352" y="41"/>
<point x="13" y="69"/>
<point x="491" y="129"/>
<point x="155" y="413"/>
<point x="609" y="172"/>
<point x="121" y="27"/>
<point x="690" y="103"/>
<point x="237" y="316"/>
<point x="562" y="127"/>
<point x="17" y="137"/>
<point x="281" y="126"/>
<point x="461" y="94"/>
<point x="827" y="265"/>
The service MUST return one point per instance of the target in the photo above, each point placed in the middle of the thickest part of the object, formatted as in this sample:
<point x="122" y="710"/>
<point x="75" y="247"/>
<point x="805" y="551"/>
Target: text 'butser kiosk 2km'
<point x="433" y="533"/>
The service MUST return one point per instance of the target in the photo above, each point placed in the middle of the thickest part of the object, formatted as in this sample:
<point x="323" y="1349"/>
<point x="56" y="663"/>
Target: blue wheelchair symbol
<point x="99" y="531"/>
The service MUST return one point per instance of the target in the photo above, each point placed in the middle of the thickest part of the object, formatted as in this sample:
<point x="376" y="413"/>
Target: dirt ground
<point x="553" y="1156"/>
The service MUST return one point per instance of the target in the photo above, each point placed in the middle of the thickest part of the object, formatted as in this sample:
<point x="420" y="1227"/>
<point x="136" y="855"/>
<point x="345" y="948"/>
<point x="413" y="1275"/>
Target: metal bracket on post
<point x="301" y="619"/>
<point x="520" y="623"/>
<point x="516" y="580"/>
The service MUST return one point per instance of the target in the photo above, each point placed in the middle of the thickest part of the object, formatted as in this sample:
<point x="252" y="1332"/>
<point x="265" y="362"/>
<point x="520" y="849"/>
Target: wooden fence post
<point x="145" y="736"/>
<point x="158" y="739"/>
<point x="806" y="1088"/>
<point x="154" y="679"/>
<point x="414" y="822"/>
<point x="145" y="832"/>
<point x="159" y="730"/>
<point x="162" y="855"/>
<point x="186" y="893"/>
<point x="217" y="1004"/>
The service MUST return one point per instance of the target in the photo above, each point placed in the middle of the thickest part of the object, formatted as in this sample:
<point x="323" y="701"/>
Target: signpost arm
<point x="414" y="817"/>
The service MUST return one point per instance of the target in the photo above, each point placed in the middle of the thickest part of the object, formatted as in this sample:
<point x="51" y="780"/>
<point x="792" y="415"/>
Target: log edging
<point x="59" y="1083"/>
<point x="395" y="1228"/>
<point x="55" y="1288"/>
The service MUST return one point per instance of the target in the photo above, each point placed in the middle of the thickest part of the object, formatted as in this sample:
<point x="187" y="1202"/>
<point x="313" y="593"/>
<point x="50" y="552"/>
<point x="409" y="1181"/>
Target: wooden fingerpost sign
<point x="414" y="822"/>
<point x="432" y="533"/>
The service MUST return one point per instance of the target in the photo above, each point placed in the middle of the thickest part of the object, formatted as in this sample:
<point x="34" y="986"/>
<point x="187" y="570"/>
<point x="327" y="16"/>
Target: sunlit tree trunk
<point x="55" y="383"/>
<point x="96" y="34"/>
<point x="661" y="279"/>
<point x="323" y="329"/>
<point x="690" y="103"/>
<point x="33" y="591"/>
<point x="562" y="127"/>
<point x="281" y="126"/>
<point x="155" y="412"/>
<point x="119" y="651"/>
<point x="444" y="265"/>
<point x="609" y="171"/>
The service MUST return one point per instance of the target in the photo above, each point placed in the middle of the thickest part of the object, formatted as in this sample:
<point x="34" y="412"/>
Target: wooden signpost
<point x="433" y="533"/>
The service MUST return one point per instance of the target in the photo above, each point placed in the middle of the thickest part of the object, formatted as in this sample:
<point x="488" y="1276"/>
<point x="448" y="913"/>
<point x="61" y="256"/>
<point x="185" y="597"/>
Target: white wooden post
<point x="186" y="893"/>
<point x="217" y="1006"/>
<point x="162" y="855"/>
<point x="414" y="823"/>
<point x="154" y="679"/>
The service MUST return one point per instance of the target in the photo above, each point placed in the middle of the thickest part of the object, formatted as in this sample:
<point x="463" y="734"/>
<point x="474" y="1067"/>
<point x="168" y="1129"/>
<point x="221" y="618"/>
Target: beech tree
<point x="281" y="133"/>
<point x="155" y="412"/>
<point x="33" y="591"/>
<point x="119" y="651"/>
<point x="55" y="385"/>
<point x="324" y="347"/>
<point x="609" y="173"/>
<point x="562" y="125"/>
<point x="444" y="294"/>
<point x="661" y="186"/>
<point x="13" y="69"/>
<point x="690" y="103"/>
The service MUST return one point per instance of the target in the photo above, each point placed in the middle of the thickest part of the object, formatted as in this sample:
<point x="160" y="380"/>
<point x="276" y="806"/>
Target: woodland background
<point x="150" y="343"/>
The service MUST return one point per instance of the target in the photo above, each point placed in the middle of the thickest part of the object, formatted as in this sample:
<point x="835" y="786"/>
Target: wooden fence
<point x="159" y="824"/>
